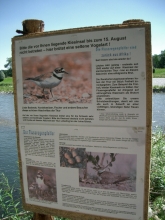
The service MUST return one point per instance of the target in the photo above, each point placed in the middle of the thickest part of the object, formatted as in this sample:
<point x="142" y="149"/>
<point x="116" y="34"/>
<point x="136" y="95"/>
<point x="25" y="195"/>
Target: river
<point x="8" y="150"/>
<point x="158" y="109"/>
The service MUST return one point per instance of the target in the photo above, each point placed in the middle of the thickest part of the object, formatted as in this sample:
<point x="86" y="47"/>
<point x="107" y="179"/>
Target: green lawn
<point x="6" y="85"/>
<point x="159" y="73"/>
<point x="8" y="80"/>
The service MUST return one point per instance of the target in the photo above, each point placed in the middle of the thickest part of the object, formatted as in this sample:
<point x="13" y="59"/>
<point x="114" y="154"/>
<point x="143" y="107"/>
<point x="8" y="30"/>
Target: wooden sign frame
<point x="148" y="62"/>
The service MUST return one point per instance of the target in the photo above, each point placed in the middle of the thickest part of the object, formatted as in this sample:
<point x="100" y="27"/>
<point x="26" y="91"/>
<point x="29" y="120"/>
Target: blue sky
<point x="64" y="14"/>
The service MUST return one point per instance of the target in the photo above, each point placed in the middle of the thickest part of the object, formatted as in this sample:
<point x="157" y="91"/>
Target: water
<point x="8" y="149"/>
<point x="158" y="108"/>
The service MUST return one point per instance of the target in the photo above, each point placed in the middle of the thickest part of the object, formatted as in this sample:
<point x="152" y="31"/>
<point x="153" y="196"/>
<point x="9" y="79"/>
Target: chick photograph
<point x="42" y="183"/>
<point x="73" y="157"/>
<point x="57" y="78"/>
<point x="109" y="171"/>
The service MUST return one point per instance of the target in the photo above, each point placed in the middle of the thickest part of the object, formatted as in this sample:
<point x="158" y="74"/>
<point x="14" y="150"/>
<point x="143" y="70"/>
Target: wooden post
<point x="31" y="26"/>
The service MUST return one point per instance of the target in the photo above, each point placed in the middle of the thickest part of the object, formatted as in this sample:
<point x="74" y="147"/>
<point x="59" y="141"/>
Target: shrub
<point x="9" y="206"/>
<point x="2" y="76"/>
<point x="157" y="175"/>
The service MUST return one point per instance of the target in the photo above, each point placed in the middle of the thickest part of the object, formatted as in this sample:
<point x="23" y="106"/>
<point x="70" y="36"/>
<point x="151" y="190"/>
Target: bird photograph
<point x="42" y="183"/>
<point x="109" y="171"/>
<point x="49" y="80"/>
<point x="57" y="78"/>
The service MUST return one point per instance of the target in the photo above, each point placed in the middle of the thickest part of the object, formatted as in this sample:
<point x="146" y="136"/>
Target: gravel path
<point x="158" y="81"/>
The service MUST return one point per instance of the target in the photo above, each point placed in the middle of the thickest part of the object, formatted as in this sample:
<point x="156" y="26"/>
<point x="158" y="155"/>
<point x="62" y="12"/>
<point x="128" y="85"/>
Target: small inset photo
<point x="73" y="157"/>
<point x="57" y="78"/>
<point x="109" y="171"/>
<point x="42" y="183"/>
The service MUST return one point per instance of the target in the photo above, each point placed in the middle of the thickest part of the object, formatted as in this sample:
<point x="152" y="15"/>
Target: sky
<point x="65" y="14"/>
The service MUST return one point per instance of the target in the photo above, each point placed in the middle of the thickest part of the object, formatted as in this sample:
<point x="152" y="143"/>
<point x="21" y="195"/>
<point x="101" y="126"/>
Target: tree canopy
<point x="8" y="65"/>
<point x="2" y="76"/>
<point x="159" y="60"/>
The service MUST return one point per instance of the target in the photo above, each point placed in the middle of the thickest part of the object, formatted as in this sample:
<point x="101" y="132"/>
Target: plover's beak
<point x="66" y="72"/>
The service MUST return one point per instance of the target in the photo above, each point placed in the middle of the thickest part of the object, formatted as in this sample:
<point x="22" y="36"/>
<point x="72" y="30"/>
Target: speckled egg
<point x="71" y="161"/>
<point x="78" y="159"/>
<point x="67" y="155"/>
<point x="74" y="153"/>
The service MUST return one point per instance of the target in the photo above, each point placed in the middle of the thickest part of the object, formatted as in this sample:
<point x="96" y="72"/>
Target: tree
<point x="155" y="59"/>
<point x="2" y="76"/>
<point x="159" y="60"/>
<point x="162" y="60"/>
<point x="8" y="65"/>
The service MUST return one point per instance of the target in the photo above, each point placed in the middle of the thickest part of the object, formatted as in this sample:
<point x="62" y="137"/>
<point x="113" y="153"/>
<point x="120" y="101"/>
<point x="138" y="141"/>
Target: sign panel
<point x="94" y="170"/>
<point x="83" y="113"/>
<point x="105" y="84"/>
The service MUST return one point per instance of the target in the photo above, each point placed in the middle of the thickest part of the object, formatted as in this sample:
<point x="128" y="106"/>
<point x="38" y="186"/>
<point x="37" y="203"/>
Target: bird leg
<point x="51" y="93"/>
<point x="43" y="91"/>
<point x="44" y="95"/>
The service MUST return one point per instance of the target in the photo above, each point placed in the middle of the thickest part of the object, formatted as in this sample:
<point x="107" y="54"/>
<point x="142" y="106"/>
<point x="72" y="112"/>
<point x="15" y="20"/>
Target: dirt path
<point x="158" y="81"/>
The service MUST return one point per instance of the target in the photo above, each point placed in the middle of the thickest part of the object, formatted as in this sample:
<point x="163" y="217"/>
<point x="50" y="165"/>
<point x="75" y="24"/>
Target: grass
<point x="7" y="85"/>
<point x="158" y="89"/>
<point x="9" y="206"/>
<point x="157" y="176"/>
<point x="8" y="80"/>
<point x="159" y="73"/>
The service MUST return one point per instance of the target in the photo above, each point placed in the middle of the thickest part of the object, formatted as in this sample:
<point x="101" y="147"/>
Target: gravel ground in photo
<point x="158" y="81"/>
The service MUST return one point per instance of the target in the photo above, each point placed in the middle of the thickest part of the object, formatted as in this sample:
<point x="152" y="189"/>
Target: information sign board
<point x="83" y="114"/>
